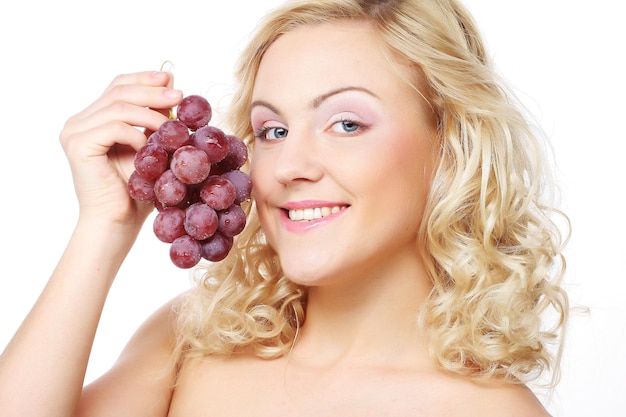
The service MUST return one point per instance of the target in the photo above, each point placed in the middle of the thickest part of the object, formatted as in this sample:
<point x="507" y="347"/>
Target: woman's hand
<point x="101" y="141"/>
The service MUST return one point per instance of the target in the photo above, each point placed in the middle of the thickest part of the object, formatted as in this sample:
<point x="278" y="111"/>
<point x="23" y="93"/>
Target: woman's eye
<point x="271" y="133"/>
<point x="346" y="126"/>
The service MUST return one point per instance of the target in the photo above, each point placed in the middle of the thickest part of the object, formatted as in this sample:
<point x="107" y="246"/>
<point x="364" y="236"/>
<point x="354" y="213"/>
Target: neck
<point x="372" y="317"/>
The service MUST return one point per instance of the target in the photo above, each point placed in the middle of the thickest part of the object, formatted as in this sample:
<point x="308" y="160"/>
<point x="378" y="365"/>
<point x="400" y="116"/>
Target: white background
<point x="564" y="58"/>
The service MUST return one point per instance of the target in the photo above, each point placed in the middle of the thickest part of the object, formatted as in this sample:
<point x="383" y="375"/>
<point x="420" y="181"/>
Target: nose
<point x="298" y="159"/>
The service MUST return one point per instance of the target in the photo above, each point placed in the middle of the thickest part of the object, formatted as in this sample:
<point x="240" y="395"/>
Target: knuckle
<point x="118" y="80"/>
<point x="117" y="90"/>
<point x="118" y="107"/>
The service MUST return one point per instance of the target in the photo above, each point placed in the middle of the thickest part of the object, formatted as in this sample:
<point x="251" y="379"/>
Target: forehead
<point x="327" y="56"/>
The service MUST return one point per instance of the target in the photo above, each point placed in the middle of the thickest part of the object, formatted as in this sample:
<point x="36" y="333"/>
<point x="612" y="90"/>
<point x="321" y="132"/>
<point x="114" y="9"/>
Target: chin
<point x="304" y="273"/>
<point x="303" y="276"/>
<point x="317" y="266"/>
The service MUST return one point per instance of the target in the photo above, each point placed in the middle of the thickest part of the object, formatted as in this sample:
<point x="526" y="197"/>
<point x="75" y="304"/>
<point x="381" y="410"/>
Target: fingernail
<point x="168" y="92"/>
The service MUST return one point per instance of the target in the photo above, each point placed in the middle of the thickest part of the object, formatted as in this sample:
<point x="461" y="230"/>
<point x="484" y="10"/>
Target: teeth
<point x="312" y="213"/>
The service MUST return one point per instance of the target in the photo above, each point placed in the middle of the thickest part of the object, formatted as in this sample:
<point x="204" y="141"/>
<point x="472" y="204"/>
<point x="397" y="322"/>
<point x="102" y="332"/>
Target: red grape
<point x="200" y="221"/>
<point x="237" y="154"/>
<point x="216" y="247"/>
<point x="231" y="221"/>
<point x="140" y="188"/>
<point x="194" y="111"/>
<point x="190" y="164"/>
<point x="169" y="224"/>
<point x="242" y="183"/>
<point x="169" y="190"/>
<point x="173" y="134"/>
<point x="211" y="140"/>
<point x="218" y="192"/>
<point x="151" y="161"/>
<point x="185" y="252"/>
<point x="154" y="137"/>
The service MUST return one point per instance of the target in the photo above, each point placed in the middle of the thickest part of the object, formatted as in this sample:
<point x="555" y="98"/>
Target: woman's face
<point x="343" y="154"/>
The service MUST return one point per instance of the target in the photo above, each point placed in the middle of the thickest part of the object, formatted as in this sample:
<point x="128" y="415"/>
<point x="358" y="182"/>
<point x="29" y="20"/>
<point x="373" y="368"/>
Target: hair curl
<point x="491" y="247"/>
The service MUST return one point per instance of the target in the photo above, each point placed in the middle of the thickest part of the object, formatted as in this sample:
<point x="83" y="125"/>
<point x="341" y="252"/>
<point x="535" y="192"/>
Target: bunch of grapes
<point x="191" y="171"/>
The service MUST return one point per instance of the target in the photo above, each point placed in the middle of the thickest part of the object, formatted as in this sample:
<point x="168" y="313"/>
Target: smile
<point x="315" y="213"/>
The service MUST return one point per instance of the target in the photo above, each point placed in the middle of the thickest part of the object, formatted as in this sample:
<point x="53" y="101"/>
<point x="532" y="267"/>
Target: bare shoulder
<point x="139" y="383"/>
<point x="497" y="398"/>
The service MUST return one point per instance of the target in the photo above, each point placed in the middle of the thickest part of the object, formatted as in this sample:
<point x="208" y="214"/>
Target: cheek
<point x="412" y="163"/>
<point x="259" y="170"/>
<point x="261" y="175"/>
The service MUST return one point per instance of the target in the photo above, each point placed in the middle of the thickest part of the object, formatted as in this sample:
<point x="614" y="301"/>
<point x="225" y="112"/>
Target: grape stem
<point x="168" y="66"/>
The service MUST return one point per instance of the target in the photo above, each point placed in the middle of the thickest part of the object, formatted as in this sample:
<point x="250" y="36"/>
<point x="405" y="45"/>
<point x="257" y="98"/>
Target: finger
<point x="131" y="114"/>
<point x="149" y="88"/>
<point x="139" y="95"/>
<point x="98" y="140"/>
<point x="170" y="82"/>
<point x="148" y="78"/>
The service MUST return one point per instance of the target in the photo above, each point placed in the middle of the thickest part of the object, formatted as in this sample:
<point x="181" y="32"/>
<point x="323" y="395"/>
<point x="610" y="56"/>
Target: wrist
<point x="107" y="233"/>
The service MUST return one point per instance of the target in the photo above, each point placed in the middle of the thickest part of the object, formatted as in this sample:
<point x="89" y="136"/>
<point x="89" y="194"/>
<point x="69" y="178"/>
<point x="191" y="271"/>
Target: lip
<point x="304" y="226"/>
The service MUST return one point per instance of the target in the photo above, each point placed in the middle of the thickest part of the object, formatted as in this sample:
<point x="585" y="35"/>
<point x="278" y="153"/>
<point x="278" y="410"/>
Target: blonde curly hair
<point x="492" y="248"/>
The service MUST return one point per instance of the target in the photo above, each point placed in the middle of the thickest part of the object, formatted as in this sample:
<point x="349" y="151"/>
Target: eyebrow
<point x="320" y="99"/>
<point x="317" y="101"/>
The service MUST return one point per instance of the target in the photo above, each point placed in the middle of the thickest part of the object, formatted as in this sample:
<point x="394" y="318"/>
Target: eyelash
<point x="261" y="134"/>
<point x="358" y="126"/>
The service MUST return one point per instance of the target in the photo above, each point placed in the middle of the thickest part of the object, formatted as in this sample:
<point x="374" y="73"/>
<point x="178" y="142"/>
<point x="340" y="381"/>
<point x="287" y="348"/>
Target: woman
<point x="397" y="257"/>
